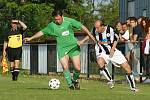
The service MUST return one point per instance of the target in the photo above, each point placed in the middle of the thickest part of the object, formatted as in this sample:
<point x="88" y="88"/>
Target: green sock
<point x="68" y="77"/>
<point x="76" y="75"/>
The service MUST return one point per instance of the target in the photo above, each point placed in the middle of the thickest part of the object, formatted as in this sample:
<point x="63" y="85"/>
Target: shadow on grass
<point x="60" y="89"/>
<point x="38" y="88"/>
<point x="45" y="89"/>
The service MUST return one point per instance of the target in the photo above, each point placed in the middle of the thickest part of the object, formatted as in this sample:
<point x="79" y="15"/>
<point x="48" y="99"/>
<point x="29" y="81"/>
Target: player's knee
<point x="129" y="73"/>
<point x="101" y="67"/>
<point x="65" y="67"/>
<point x="101" y="63"/>
<point x="78" y="69"/>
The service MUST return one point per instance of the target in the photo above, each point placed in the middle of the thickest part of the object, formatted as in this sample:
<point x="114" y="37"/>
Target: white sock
<point x="106" y="73"/>
<point x="131" y="81"/>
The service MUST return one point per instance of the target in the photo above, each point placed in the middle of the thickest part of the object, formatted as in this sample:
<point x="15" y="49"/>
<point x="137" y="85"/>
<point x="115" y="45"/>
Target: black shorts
<point x="14" y="54"/>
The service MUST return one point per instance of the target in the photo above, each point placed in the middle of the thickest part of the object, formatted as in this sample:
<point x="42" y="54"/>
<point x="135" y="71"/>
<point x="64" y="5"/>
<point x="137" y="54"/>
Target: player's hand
<point x="111" y="53"/>
<point x="15" y="21"/>
<point x="27" y="39"/>
<point x="4" y="53"/>
<point x="79" y="43"/>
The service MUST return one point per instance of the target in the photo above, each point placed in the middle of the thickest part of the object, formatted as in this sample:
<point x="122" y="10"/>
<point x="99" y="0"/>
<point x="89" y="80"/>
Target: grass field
<point x="36" y="88"/>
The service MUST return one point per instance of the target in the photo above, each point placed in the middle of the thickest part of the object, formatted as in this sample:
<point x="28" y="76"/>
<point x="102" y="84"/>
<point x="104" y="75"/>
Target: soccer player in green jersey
<point x="67" y="45"/>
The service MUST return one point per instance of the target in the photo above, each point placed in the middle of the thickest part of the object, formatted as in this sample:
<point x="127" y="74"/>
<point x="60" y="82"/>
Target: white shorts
<point x="117" y="59"/>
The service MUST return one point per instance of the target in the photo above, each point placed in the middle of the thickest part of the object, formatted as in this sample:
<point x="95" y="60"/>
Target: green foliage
<point x="36" y="16"/>
<point x="37" y="13"/>
<point x="110" y="11"/>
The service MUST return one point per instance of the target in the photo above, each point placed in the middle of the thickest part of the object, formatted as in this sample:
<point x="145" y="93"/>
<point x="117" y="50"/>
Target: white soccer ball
<point x="54" y="84"/>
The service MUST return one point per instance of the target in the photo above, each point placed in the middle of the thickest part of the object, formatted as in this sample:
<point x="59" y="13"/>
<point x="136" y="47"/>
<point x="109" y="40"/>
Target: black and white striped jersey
<point x="105" y="39"/>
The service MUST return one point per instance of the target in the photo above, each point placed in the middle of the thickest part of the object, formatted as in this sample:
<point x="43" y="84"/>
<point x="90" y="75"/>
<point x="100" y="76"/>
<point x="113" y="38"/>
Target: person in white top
<point x="106" y="52"/>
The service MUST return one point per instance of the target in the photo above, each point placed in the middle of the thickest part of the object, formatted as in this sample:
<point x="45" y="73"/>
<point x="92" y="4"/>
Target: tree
<point x="37" y="13"/>
<point x="109" y="11"/>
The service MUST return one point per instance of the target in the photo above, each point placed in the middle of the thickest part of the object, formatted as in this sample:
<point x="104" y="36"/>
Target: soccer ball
<point x="54" y="84"/>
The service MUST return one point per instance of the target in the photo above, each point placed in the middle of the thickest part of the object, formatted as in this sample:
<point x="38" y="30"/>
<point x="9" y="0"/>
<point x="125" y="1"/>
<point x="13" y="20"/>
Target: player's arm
<point x="114" y="44"/>
<point x="84" y="40"/>
<point x="23" y="25"/>
<point x="134" y="38"/>
<point x="88" y="33"/>
<point x="36" y="35"/>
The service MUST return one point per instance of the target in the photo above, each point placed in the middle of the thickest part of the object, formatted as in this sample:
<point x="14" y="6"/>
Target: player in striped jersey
<point x="106" y="52"/>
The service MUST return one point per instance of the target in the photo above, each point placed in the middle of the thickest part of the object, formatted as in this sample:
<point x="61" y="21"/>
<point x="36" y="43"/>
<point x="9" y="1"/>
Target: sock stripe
<point x="130" y="79"/>
<point x="106" y="71"/>
<point x="16" y="70"/>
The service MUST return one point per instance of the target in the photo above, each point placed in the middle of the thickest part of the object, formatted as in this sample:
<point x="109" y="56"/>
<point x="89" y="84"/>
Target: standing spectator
<point x="119" y="31"/>
<point x="140" y="19"/>
<point x="118" y="28"/>
<point x="13" y="44"/>
<point x="146" y="53"/>
<point x="130" y="28"/>
<point x="144" y="26"/>
<point x="126" y="39"/>
<point x="125" y="35"/>
<point x="137" y="33"/>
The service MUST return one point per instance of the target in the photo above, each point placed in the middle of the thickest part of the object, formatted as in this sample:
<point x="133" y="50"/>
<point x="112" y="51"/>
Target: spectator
<point x="137" y="33"/>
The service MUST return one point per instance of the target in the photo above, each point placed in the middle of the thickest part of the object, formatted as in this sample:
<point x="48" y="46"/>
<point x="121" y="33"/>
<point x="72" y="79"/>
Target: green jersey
<point x="63" y="33"/>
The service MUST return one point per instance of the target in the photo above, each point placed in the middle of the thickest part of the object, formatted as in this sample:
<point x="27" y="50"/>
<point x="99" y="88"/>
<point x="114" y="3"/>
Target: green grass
<point x="36" y="88"/>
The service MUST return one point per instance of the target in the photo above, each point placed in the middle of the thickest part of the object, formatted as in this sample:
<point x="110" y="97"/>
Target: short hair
<point x="125" y="23"/>
<point x="101" y="22"/>
<point x="57" y="12"/>
<point x="133" y="19"/>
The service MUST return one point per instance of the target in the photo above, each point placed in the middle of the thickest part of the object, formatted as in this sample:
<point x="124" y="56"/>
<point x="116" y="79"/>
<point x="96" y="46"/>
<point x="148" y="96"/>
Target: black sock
<point x="16" y="73"/>
<point x="12" y="71"/>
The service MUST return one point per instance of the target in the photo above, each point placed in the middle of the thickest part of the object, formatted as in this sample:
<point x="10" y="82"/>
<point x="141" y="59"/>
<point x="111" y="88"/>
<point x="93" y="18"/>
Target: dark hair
<point x="57" y="12"/>
<point x="133" y="19"/>
<point x="125" y="23"/>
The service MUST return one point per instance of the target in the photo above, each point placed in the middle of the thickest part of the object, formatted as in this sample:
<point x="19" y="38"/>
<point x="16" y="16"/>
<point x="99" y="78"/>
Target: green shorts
<point x="71" y="53"/>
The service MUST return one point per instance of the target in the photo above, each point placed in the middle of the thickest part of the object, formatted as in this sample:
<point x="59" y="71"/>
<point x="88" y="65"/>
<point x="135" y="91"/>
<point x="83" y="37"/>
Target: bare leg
<point x="129" y="76"/>
<point x="64" y="62"/>
<point x="16" y="70"/>
<point x="101" y="63"/>
<point x="12" y="67"/>
<point x="76" y="63"/>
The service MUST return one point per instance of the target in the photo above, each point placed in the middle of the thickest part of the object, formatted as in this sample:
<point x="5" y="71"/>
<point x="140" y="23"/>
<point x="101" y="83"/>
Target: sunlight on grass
<point x="35" y="87"/>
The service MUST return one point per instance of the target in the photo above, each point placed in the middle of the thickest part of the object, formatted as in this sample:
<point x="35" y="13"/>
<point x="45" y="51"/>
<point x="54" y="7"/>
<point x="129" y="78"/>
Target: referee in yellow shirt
<point x="13" y="45"/>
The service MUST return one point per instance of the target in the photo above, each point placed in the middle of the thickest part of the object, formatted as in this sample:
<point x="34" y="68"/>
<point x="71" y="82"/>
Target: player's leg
<point x="12" y="64"/>
<point x="16" y="69"/>
<point x="64" y="62"/>
<point x="118" y="58"/>
<point x="129" y="76"/>
<point x="76" y="73"/>
<point x="104" y="71"/>
<point x="75" y="57"/>
<point x="11" y="60"/>
<point x="17" y="56"/>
